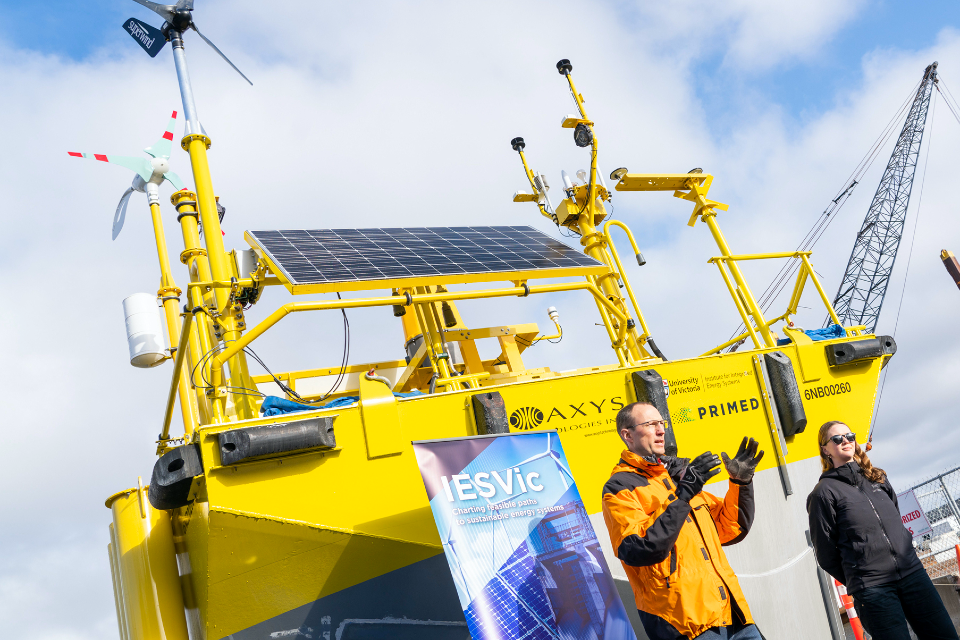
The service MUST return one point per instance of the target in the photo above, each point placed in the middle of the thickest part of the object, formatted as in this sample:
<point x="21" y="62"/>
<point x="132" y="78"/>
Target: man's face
<point x="646" y="438"/>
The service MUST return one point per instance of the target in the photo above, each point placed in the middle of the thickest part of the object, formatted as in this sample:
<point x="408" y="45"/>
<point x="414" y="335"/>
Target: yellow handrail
<point x="626" y="281"/>
<point x="234" y="347"/>
<point x="806" y="270"/>
<point x="175" y="382"/>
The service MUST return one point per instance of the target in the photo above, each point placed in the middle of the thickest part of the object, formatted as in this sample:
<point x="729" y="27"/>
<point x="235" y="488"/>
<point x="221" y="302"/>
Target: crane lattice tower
<point x="865" y="281"/>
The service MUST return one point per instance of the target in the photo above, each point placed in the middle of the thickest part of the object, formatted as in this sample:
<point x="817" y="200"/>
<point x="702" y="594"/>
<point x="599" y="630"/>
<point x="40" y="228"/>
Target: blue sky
<point x="803" y="87"/>
<point x="806" y="89"/>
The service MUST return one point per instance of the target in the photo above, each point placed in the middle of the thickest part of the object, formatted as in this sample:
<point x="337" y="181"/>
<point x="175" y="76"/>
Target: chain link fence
<point x="939" y="498"/>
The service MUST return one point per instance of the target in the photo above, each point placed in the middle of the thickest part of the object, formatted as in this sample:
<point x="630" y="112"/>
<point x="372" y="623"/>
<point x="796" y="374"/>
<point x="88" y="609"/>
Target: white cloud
<point x="750" y="35"/>
<point x="401" y="114"/>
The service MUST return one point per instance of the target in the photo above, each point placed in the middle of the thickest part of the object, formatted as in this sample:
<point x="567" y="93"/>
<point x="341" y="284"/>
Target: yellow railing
<point x="232" y="348"/>
<point x="623" y="276"/>
<point x="806" y="271"/>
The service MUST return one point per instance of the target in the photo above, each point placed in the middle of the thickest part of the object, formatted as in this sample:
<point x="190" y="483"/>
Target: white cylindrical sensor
<point x="144" y="330"/>
<point x="246" y="262"/>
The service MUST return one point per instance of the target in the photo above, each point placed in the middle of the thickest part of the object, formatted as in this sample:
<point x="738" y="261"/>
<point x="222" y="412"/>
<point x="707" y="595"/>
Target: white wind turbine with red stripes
<point x="150" y="172"/>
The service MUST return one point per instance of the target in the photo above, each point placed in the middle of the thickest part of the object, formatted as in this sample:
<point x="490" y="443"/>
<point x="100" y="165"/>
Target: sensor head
<point x="564" y="67"/>
<point x="617" y="174"/>
<point x="518" y="144"/>
<point x="582" y="135"/>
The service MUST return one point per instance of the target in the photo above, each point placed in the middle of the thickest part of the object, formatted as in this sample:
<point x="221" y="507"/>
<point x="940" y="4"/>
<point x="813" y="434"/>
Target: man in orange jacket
<point x="668" y="533"/>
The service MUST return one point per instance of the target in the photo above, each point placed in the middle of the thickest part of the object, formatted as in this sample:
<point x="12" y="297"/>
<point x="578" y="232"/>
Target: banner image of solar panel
<point x="522" y="552"/>
<point x="316" y="259"/>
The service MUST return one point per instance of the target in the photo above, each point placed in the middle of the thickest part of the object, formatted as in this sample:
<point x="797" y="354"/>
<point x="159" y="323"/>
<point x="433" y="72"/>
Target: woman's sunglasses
<point x="838" y="440"/>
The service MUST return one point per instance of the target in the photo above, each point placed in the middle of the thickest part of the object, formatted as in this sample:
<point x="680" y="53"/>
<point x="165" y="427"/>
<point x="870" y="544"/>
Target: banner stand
<point x="521" y="549"/>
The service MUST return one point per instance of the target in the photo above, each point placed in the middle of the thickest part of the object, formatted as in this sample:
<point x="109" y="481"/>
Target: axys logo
<point x="526" y="418"/>
<point x="593" y="415"/>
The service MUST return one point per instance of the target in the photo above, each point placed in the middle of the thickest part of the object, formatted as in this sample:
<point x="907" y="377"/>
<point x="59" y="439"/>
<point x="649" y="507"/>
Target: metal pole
<point x="773" y="421"/>
<point x="229" y="323"/>
<point x="953" y="504"/>
<point x="828" y="592"/>
<point x="183" y="77"/>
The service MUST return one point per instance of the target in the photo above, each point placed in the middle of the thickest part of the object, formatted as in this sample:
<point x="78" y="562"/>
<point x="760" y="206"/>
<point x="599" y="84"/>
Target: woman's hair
<point x="874" y="474"/>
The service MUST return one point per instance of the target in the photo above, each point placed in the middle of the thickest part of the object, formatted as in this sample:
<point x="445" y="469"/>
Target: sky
<point x="400" y="114"/>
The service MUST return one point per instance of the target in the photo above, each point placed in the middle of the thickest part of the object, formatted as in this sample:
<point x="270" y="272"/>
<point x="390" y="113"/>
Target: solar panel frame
<point x="325" y="260"/>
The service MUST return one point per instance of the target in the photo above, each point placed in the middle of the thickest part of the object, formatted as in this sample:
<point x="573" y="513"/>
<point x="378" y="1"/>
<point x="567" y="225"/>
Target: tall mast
<point x="865" y="281"/>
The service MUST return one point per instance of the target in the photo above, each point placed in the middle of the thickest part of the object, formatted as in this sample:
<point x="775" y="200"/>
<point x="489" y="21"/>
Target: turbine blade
<point x="121" y="212"/>
<point x="221" y="54"/>
<point x="175" y="180"/>
<point x="185" y="4"/>
<point x="165" y="11"/>
<point x="162" y="147"/>
<point x="141" y="166"/>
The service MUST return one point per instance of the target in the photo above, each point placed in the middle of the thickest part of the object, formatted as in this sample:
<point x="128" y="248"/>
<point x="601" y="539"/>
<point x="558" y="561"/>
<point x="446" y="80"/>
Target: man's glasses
<point x="838" y="440"/>
<point x="652" y="423"/>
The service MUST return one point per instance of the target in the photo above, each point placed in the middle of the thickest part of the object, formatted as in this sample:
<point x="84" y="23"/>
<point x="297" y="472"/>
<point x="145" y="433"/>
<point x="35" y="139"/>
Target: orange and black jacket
<point x="671" y="548"/>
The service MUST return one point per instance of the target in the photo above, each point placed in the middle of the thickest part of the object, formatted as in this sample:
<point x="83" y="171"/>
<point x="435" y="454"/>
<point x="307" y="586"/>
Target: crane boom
<point x="865" y="281"/>
<point x="953" y="267"/>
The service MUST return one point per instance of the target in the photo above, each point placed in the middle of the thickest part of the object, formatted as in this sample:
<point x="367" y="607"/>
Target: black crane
<point x="864" y="283"/>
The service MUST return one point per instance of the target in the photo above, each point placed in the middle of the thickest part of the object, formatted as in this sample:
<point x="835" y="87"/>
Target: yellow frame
<point x="806" y="271"/>
<point x="416" y="300"/>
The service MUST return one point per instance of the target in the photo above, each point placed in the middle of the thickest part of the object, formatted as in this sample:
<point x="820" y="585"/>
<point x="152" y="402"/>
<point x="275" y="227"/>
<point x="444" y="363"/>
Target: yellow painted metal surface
<point x="381" y="418"/>
<point x="147" y="569"/>
<point x="115" y="578"/>
<point x="301" y="527"/>
<point x="658" y="181"/>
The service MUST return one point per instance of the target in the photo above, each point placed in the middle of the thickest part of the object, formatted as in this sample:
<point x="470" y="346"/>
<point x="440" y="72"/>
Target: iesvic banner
<point x="520" y="546"/>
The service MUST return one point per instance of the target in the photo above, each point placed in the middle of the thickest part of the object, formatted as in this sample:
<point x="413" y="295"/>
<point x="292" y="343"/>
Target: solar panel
<point x="321" y="260"/>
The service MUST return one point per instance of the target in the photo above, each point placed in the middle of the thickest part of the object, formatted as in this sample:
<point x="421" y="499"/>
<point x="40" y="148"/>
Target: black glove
<point x="675" y="466"/>
<point x="702" y="468"/>
<point x="743" y="465"/>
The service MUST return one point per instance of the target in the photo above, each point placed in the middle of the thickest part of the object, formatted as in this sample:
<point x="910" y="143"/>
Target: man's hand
<point x="702" y="468"/>
<point x="744" y="464"/>
<point x="675" y="466"/>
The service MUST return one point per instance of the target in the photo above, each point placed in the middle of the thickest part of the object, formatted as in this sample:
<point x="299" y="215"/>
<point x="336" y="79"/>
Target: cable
<point x="286" y="389"/>
<point x="238" y="390"/>
<point x="947" y="98"/>
<point x="530" y="343"/>
<point x="906" y="274"/>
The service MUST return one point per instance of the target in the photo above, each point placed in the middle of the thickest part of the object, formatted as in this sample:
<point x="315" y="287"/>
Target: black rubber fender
<point x="649" y="388"/>
<point x="490" y="413"/>
<point x="173" y="475"/>
<point x="238" y="445"/>
<point x="841" y="353"/>
<point x="786" y="392"/>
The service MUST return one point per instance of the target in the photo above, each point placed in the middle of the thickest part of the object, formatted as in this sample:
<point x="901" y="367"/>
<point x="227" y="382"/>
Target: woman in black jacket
<point x="860" y="540"/>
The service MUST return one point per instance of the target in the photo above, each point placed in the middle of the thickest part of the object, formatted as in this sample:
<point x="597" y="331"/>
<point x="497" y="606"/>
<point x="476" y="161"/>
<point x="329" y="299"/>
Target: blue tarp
<point x="275" y="406"/>
<point x="829" y="333"/>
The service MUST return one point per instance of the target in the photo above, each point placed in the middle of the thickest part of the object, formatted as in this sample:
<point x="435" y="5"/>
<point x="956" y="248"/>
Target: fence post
<point x="953" y="505"/>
